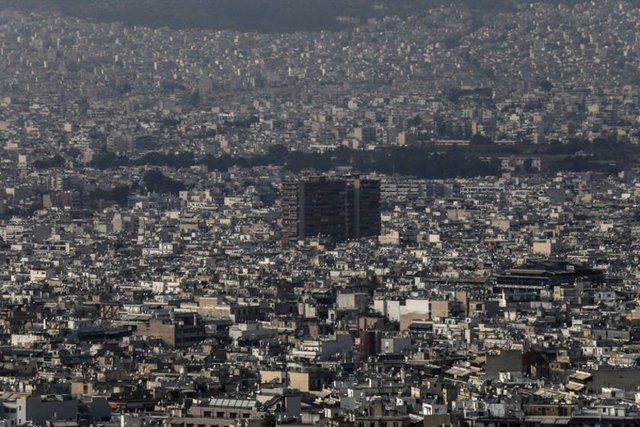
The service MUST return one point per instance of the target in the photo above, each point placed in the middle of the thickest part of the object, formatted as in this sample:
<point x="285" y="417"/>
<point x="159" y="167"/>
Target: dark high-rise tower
<point x="337" y="207"/>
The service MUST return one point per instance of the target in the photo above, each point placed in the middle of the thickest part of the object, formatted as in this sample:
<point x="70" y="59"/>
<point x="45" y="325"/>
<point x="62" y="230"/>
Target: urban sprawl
<point x="408" y="222"/>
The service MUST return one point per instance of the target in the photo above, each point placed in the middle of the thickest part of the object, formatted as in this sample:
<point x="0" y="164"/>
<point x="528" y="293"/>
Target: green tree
<point x="478" y="139"/>
<point x="269" y="420"/>
<point x="155" y="181"/>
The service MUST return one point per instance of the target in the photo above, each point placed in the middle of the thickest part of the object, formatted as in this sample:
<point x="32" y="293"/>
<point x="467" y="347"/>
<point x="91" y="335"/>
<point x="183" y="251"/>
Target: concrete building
<point x="340" y="208"/>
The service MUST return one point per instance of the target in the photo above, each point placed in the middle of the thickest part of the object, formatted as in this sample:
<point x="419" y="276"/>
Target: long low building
<point x="527" y="282"/>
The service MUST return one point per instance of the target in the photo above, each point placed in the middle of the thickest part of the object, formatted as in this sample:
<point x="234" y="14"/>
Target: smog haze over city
<point x="320" y="213"/>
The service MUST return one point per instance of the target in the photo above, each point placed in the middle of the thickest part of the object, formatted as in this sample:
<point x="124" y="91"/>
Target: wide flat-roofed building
<point x="527" y="282"/>
<point x="219" y="412"/>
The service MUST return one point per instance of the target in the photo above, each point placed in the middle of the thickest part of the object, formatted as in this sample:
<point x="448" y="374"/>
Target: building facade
<point x="340" y="208"/>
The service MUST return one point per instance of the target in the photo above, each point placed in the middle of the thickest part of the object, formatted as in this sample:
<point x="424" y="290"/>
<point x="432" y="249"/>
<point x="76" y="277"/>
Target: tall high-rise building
<point x="337" y="207"/>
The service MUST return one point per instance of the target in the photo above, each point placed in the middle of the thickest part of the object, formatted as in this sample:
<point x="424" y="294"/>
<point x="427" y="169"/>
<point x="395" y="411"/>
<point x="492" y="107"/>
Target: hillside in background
<point x="246" y="15"/>
<point x="240" y="15"/>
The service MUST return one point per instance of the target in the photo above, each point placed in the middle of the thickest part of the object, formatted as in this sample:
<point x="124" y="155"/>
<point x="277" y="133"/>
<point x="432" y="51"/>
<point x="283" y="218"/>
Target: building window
<point x="219" y="414"/>
<point x="207" y="413"/>
<point x="233" y="415"/>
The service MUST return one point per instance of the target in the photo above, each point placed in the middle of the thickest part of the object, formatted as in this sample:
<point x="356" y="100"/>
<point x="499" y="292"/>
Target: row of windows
<point x="379" y="424"/>
<point x="204" y="425"/>
<point x="232" y="415"/>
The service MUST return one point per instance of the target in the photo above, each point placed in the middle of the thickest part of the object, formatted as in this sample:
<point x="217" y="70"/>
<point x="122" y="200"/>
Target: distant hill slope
<point x="241" y="15"/>
<point x="251" y="15"/>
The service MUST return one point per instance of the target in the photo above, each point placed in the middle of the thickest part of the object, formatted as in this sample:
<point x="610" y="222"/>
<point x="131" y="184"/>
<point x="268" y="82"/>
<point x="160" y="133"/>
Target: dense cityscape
<point x="415" y="220"/>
